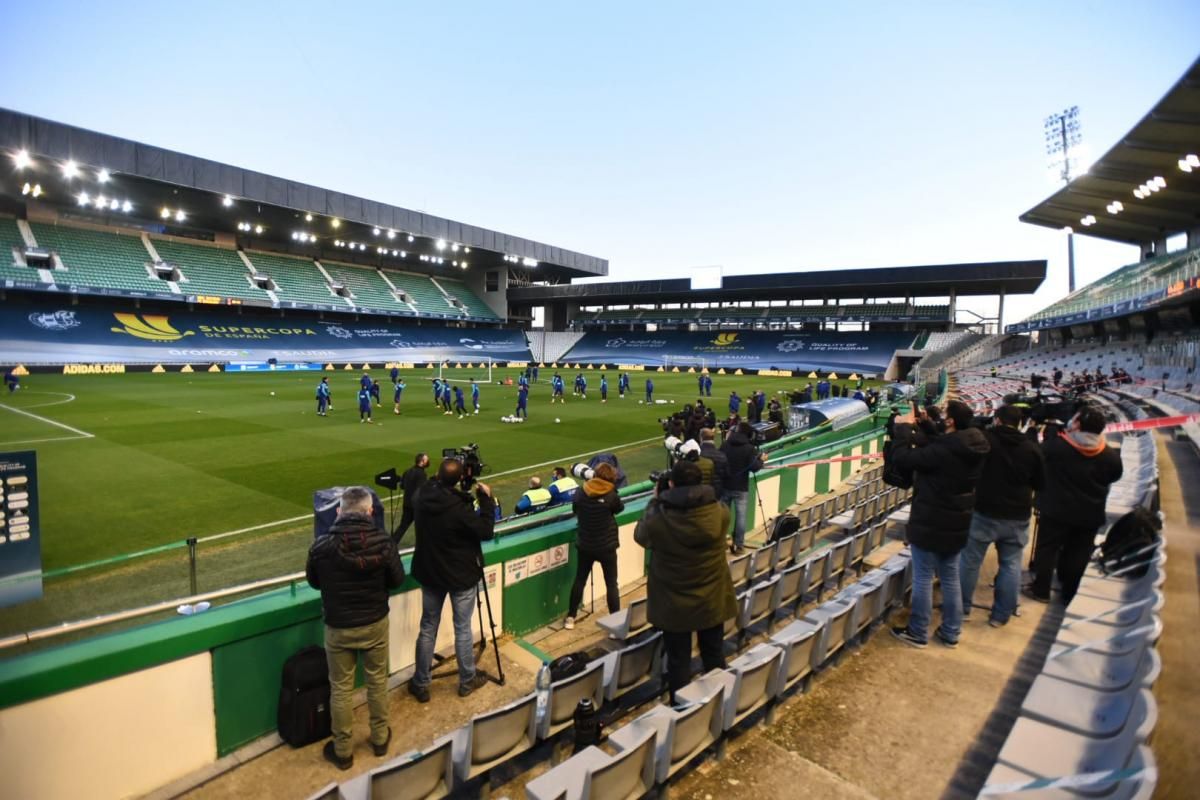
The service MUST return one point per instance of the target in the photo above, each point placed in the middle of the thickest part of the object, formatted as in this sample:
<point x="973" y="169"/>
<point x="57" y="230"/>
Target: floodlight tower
<point x="1063" y="133"/>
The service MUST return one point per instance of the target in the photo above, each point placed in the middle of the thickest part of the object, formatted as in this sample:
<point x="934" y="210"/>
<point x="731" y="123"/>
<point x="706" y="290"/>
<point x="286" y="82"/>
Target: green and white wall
<point x="124" y="713"/>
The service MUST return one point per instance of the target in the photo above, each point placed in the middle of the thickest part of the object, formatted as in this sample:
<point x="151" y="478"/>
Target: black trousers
<point x="608" y="563"/>
<point x="406" y="519"/>
<point x="678" y="647"/>
<point x="1066" y="549"/>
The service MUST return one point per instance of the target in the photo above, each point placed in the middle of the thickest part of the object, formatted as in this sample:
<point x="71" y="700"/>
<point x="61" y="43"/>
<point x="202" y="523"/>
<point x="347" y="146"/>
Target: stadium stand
<point x="1128" y="283"/>
<point x="11" y="244"/>
<point x="472" y="305"/>
<point x="942" y="340"/>
<point x="208" y="270"/>
<point x="105" y="260"/>
<point x="368" y="290"/>
<point x="549" y="346"/>
<point x="428" y="299"/>
<point x="295" y="279"/>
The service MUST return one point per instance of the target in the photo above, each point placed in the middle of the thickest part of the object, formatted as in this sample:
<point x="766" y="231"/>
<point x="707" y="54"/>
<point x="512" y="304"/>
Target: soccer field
<point x="135" y="461"/>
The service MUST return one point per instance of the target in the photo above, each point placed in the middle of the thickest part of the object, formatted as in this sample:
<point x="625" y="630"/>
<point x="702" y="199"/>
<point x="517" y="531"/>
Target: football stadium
<point x="203" y="360"/>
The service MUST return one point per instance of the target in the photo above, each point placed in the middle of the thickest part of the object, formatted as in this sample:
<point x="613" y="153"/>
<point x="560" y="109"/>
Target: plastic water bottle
<point x="543" y="690"/>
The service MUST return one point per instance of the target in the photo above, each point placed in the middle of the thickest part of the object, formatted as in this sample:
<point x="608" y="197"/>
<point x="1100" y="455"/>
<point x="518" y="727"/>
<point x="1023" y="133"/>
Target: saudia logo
<point x="725" y="339"/>
<point x="154" y="327"/>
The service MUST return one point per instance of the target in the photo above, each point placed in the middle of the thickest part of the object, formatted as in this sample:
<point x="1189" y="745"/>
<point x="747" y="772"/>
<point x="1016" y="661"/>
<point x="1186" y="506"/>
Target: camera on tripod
<point x="660" y="478"/>
<point x="473" y="466"/>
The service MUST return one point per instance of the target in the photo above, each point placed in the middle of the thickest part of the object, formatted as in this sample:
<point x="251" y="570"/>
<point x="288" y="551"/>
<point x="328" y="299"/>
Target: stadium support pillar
<point x="1193" y="238"/>
<point x="1147" y="251"/>
<point x="1160" y="246"/>
<point x="953" y="306"/>
<point x="1000" y="313"/>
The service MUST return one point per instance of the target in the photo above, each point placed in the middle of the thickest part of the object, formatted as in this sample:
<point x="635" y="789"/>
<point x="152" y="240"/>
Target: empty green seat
<point x="296" y="279"/>
<point x="368" y="289"/>
<point x="209" y="270"/>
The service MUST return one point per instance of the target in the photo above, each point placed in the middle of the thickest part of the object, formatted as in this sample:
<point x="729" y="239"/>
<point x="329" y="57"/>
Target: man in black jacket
<point x="448" y="561"/>
<point x="596" y="506"/>
<point x="1079" y="469"/>
<point x="353" y="567"/>
<point x="945" y="470"/>
<point x="410" y="483"/>
<point x="1012" y="472"/>
<point x="742" y="458"/>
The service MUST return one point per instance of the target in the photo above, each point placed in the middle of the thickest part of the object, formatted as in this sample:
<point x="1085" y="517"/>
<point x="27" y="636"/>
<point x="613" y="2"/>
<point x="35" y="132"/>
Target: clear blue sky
<point x="661" y="135"/>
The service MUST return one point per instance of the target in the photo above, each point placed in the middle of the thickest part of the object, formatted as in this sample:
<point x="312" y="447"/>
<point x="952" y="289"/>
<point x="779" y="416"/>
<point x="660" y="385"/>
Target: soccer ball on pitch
<point x="557" y="420"/>
<point x="272" y="394"/>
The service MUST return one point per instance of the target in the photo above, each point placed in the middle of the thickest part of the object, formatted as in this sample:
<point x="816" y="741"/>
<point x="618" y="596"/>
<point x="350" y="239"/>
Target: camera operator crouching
<point x="448" y="561"/>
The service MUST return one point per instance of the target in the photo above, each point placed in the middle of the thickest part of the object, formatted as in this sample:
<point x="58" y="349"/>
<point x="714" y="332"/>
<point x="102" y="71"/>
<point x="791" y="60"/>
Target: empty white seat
<point x="1107" y="639"/>
<point x="746" y="683"/>
<point x="1113" y="613"/>
<point x="1079" y="709"/>
<point x="1104" y="671"/>
<point x="790" y="587"/>
<point x="592" y="773"/>
<point x="493" y="738"/>
<point x="626" y="622"/>
<point x="1040" y="750"/>
<point x="1008" y="783"/>
<point x="633" y="666"/>
<point x="682" y="734"/>
<point x="739" y="569"/>
<point x="762" y="561"/>
<point x="759" y="603"/>
<point x="835" y="619"/>
<point x="785" y="550"/>
<point x="417" y="775"/>
<point x="868" y="601"/>
<point x="796" y="641"/>
<point x="327" y="792"/>
<point x="566" y="694"/>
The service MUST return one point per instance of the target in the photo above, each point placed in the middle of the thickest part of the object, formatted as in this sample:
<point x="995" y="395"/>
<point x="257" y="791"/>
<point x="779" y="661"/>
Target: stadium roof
<point x="1013" y="277"/>
<point x="1157" y="147"/>
<point x="154" y="179"/>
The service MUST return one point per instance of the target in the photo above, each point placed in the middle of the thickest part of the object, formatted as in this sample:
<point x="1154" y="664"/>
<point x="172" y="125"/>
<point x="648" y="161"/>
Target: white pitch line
<point x="48" y="421"/>
<point x="303" y="517"/>
<point x="70" y="398"/>
<point x="53" y="439"/>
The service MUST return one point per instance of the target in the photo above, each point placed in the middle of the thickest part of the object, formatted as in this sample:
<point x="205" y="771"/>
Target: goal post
<point x="466" y="368"/>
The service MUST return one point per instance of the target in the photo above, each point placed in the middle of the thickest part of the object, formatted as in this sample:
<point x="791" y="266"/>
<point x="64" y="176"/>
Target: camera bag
<point x="303" y="716"/>
<point x="1128" y="546"/>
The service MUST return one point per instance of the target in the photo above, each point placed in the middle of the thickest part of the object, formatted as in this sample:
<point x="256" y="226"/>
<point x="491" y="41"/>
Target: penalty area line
<point x="79" y="434"/>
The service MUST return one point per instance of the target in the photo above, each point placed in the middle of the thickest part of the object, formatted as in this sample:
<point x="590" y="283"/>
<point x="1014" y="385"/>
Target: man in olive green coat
<point x="689" y="586"/>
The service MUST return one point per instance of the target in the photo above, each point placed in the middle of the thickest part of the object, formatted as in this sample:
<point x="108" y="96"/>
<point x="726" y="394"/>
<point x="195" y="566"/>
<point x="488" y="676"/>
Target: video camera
<point x="473" y="466"/>
<point x="661" y="479"/>
<point x="582" y="472"/>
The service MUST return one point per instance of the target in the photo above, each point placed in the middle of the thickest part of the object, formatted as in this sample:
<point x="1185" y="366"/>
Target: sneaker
<point x="942" y="640"/>
<point x="995" y="623"/>
<point x="381" y="749"/>
<point x="465" y="689"/>
<point x="419" y="692"/>
<point x="903" y="635"/>
<point x="333" y="758"/>
<point x="569" y="624"/>
<point x="1028" y="591"/>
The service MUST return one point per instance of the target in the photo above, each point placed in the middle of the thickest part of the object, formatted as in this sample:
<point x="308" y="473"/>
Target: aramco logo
<point x="154" y="327"/>
<point x="725" y="339"/>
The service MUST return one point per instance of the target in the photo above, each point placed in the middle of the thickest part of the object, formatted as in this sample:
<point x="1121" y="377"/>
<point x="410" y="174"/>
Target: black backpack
<point x="1130" y="541"/>
<point x="569" y="665"/>
<point x="303" y="715"/>
<point x="785" y="525"/>
<point x="894" y="475"/>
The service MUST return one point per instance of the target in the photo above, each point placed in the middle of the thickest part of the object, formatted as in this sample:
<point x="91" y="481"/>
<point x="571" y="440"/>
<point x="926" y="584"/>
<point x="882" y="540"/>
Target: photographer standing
<point x="410" y="483"/>
<point x="1080" y="467"/>
<point x="741" y="458"/>
<point x="353" y="567"/>
<point x="689" y="588"/>
<point x="448" y="561"/>
<point x="945" y="470"/>
<point x="1012" y="472"/>
<point x="596" y="507"/>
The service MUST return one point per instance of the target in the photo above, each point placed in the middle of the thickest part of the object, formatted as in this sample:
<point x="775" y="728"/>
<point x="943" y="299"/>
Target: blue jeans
<point x="462" y="606"/>
<point x="1009" y="536"/>
<point x="737" y="508"/>
<point x="926" y="564"/>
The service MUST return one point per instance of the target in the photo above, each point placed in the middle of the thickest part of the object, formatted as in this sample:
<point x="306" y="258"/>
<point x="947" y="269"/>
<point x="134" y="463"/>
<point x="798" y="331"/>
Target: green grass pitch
<point x="169" y="456"/>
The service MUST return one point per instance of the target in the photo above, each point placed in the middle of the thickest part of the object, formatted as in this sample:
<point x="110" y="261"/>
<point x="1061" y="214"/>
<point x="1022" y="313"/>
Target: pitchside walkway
<point x="888" y="721"/>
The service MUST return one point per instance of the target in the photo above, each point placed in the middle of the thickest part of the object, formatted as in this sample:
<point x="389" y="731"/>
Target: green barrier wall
<point x="250" y="639"/>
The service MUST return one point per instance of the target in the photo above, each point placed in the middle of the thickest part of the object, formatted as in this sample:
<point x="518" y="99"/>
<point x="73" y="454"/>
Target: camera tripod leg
<point x="487" y="599"/>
